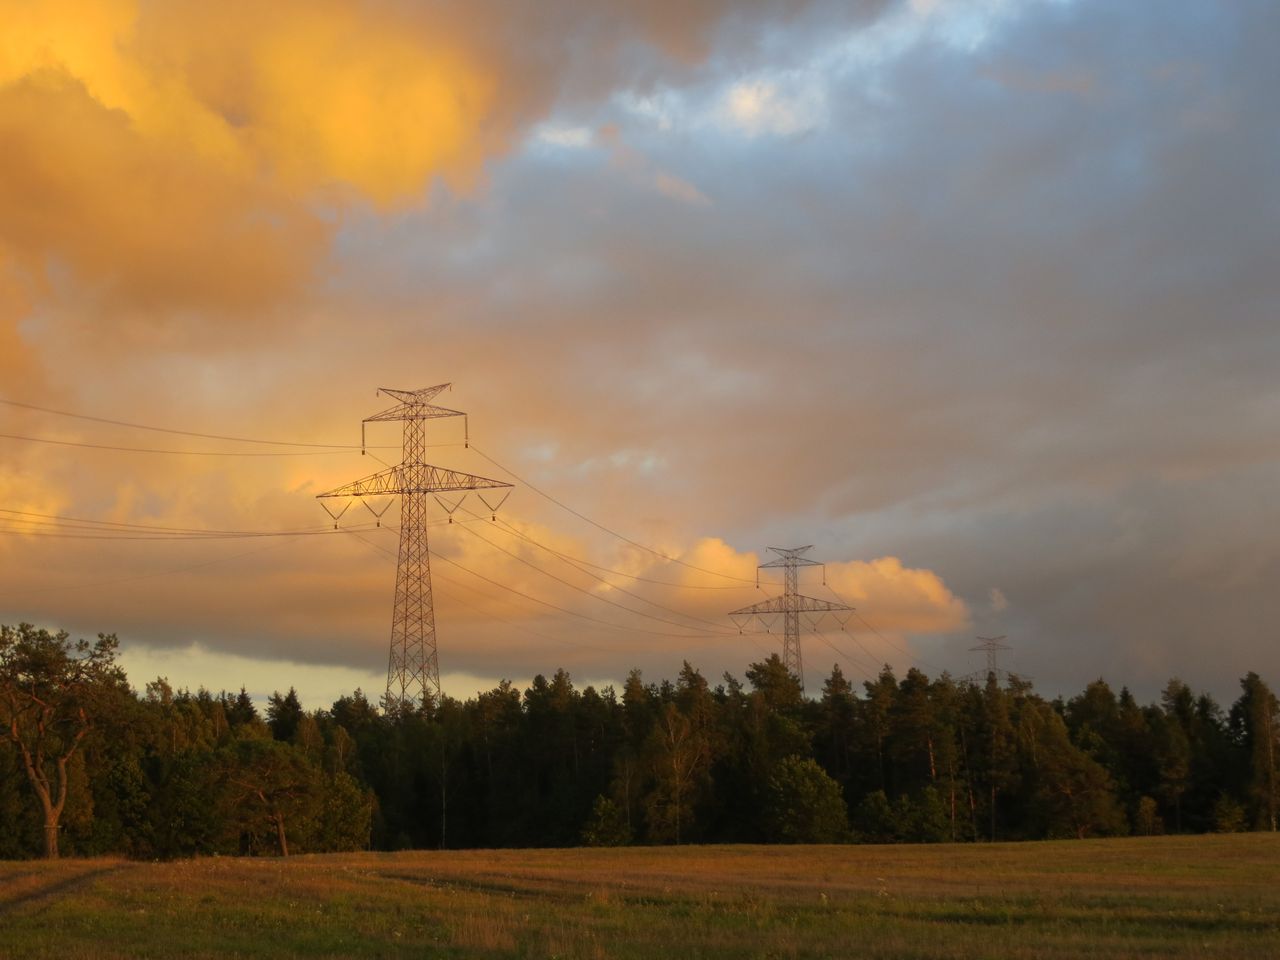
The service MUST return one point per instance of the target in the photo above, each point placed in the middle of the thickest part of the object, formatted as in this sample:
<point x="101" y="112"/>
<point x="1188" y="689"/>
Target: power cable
<point x="596" y="566"/>
<point x="158" y="573"/>
<point x="184" y="453"/>
<point x="544" y="603"/>
<point x="488" y="613"/>
<point x="848" y="659"/>
<point x="27" y="523"/>
<point x="613" y="533"/>
<point x="184" y="433"/>
<point x="145" y="526"/>
<point x="595" y="596"/>
<point x="883" y="639"/>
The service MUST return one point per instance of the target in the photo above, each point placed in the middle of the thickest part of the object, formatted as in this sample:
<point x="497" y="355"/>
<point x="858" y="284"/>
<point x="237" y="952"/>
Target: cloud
<point x="757" y="107"/>
<point x="136" y="225"/>
<point x="1004" y="323"/>
<point x="570" y="138"/>
<point x="641" y="170"/>
<point x="187" y="162"/>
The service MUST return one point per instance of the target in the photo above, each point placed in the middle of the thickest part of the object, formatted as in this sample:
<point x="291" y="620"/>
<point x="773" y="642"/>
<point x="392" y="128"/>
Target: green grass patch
<point x="1211" y="896"/>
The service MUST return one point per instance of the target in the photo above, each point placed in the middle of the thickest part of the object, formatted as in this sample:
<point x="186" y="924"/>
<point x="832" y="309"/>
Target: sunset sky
<point x="979" y="298"/>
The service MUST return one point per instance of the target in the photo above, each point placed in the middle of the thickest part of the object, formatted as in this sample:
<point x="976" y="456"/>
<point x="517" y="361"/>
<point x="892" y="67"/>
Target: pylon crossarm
<point x="791" y="557"/>
<point x="414" y="411"/>
<point x="383" y="483"/>
<point x="790" y="561"/>
<point x="780" y="605"/>
<point x="440" y="480"/>
<point x="432" y="479"/>
<point x="415" y="396"/>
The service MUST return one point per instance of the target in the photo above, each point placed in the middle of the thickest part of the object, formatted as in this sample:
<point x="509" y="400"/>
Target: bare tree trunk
<point x="1271" y="769"/>
<point x="51" y="818"/>
<point x="626" y="788"/>
<point x="281" y="839"/>
<point x="968" y="785"/>
<point x="677" y="789"/>
<point x="51" y="807"/>
<point x="951" y="781"/>
<point x="52" y="812"/>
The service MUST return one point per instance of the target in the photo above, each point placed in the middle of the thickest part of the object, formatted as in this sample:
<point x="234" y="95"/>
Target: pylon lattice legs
<point x="791" y="658"/>
<point x="413" y="669"/>
<point x="791" y="604"/>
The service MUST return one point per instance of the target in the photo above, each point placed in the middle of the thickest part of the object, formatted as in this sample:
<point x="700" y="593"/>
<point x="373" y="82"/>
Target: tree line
<point x="98" y="768"/>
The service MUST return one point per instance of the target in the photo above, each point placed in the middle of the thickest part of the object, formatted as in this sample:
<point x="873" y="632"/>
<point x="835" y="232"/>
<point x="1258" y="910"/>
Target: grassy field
<point x="1213" y="896"/>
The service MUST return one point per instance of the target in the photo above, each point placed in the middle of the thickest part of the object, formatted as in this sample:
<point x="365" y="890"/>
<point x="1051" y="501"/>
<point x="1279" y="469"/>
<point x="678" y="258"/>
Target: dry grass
<point x="1183" y="896"/>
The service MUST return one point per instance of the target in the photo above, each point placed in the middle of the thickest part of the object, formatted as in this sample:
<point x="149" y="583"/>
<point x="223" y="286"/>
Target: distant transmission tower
<point x="790" y="605"/>
<point x="991" y="646"/>
<point x="413" y="669"/>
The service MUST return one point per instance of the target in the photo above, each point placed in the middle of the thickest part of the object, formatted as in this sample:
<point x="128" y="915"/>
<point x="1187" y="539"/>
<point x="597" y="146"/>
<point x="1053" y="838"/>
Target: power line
<point x="601" y="526"/>
<point x="142" y="526"/>
<point x="116" y="529"/>
<point x="190" y="453"/>
<point x="595" y="596"/>
<point x="570" y="558"/>
<point x="173" y="539"/>
<point x="566" y="610"/>
<point x="488" y="613"/>
<point x="157" y="573"/>
<point x="848" y="659"/>
<point x="885" y="640"/>
<point x="182" y="433"/>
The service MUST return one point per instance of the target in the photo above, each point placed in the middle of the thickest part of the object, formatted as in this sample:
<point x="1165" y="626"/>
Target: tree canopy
<point x="96" y="768"/>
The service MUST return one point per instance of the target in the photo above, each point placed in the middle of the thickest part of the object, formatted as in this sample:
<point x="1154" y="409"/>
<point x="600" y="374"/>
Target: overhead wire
<point x="488" y="613"/>
<point x="861" y="667"/>
<point x="613" y="533"/>
<point x="182" y="433"/>
<point x="49" y="525"/>
<point x="141" y="526"/>
<point x="157" y="573"/>
<point x="29" y="523"/>
<point x="172" y="539"/>
<point x="552" y="606"/>
<point x="183" y="453"/>
<point x="621" y="573"/>
<point x="883" y="639"/>
<point x="715" y="626"/>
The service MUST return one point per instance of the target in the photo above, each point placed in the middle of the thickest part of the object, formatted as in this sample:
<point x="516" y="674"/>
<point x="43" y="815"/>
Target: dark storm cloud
<point x="1001" y="308"/>
<point x="1009" y="313"/>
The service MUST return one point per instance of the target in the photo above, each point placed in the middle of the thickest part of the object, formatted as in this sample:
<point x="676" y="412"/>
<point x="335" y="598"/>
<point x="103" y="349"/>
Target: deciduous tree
<point x="52" y="690"/>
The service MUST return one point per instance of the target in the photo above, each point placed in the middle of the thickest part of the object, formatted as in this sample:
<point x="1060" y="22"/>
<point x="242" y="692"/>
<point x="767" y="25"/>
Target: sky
<point x="976" y="297"/>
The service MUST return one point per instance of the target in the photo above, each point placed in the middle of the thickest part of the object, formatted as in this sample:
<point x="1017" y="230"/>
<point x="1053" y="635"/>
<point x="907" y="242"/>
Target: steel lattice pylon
<point x="413" y="668"/>
<point x="991" y="646"/>
<point x="790" y="605"/>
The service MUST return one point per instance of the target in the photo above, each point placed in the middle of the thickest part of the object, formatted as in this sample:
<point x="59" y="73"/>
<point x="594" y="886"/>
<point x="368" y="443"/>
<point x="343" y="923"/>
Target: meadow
<point x="1204" y="896"/>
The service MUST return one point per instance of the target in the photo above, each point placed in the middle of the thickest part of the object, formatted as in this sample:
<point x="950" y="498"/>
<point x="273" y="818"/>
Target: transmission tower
<point x="991" y="646"/>
<point x="413" y="669"/>
<point x="790" y="605"/>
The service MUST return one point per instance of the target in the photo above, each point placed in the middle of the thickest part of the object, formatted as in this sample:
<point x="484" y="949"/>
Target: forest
<point x="94" y="767"/>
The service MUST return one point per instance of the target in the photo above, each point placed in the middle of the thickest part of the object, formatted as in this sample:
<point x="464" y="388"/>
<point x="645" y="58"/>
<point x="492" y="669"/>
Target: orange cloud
<point x="330" y="93"/>
<point x="167" y="161"/>
<point x="897" y="598"/>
